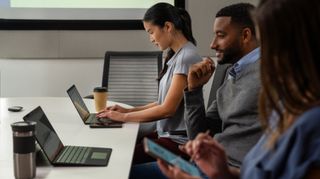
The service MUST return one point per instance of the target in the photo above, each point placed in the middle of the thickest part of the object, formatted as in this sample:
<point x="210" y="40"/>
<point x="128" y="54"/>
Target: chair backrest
<point x="131" y="77"/>
<point x="218" y="79"/>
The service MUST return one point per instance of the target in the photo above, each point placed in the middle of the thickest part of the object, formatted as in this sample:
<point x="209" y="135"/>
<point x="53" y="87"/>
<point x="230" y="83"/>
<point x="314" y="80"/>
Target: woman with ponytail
<point x="169" y="29"/>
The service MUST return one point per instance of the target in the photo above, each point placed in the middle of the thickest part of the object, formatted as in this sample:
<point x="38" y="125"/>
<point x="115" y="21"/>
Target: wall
<point x="93" y="44"/>
<point x="55" y="54"/>
<point x="48" y="77"/>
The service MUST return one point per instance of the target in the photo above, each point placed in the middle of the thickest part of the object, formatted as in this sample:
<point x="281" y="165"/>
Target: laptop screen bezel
<point x="61" y="145"/>
<point x="74" y="88"/>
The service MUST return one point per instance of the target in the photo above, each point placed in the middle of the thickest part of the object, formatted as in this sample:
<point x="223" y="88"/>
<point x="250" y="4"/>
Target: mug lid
<point x="23" y="126"/>
<point x="100" y="89"/>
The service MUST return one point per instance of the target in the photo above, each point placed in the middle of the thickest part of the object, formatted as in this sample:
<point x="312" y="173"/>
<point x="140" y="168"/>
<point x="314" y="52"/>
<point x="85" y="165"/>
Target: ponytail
<point x="160" y="13"/>
<point x="186" y="25"/>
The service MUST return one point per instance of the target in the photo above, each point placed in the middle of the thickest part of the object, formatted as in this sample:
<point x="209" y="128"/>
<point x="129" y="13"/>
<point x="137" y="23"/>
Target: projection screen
<point x="75" y="14"/>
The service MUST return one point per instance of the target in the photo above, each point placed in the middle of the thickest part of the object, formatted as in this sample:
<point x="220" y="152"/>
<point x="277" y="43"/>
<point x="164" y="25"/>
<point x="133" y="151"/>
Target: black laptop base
<point x="96" y="157"/>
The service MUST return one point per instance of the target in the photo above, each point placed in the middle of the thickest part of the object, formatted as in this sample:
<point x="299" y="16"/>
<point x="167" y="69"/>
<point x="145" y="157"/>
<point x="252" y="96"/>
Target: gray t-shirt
<point x="178" y="64"/>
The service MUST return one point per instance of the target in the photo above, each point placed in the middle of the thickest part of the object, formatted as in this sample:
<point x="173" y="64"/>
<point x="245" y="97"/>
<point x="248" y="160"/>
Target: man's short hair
<point x="240" y="14"/>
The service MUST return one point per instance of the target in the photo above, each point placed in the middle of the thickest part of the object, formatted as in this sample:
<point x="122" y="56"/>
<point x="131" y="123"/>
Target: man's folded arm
<point x="196" y="117"/>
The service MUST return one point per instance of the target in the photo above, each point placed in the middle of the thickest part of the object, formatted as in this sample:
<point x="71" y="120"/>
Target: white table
<point x="71" y="130"/>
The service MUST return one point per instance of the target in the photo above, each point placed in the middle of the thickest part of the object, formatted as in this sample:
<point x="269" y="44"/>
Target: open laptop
<point x="59" y="154"/>
<point x="86" y="116"/>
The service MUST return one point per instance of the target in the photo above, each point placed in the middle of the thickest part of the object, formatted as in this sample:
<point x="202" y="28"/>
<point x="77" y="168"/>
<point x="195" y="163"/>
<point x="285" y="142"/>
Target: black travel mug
<point x="24" y="157"/>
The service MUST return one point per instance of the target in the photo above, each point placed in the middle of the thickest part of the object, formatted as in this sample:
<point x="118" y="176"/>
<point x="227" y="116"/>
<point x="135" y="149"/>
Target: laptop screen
<point x="78" y="102"/>
<point x="45" y="134"/>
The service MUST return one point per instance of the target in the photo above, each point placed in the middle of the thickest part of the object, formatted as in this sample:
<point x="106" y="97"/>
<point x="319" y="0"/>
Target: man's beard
<point x="231" y="54"/>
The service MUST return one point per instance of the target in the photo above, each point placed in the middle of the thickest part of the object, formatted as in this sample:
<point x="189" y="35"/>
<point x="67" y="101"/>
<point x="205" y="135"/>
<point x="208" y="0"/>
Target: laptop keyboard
<point x="92" y="118"/>
<point x="74" y="154"/>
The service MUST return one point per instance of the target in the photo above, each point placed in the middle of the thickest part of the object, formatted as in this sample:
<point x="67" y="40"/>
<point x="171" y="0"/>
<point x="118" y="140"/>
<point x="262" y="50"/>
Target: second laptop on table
<point x="87" y="117"/>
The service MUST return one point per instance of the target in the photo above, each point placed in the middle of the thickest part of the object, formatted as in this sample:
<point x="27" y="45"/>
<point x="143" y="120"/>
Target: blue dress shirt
<point x="295" y="152"/>
<point x="251" y="57"/>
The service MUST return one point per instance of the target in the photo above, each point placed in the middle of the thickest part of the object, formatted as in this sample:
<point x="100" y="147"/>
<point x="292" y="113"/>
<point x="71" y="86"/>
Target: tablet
<point x="158" y="151"/>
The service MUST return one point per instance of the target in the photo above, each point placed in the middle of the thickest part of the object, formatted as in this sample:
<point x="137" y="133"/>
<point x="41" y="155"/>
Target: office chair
<point x="218" y="79"/>
<point x="131" y="77"/>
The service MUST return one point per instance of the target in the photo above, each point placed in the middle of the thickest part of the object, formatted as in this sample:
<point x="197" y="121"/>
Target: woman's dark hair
<point x="290" y="75"/>
<point x="161" y="13"/>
